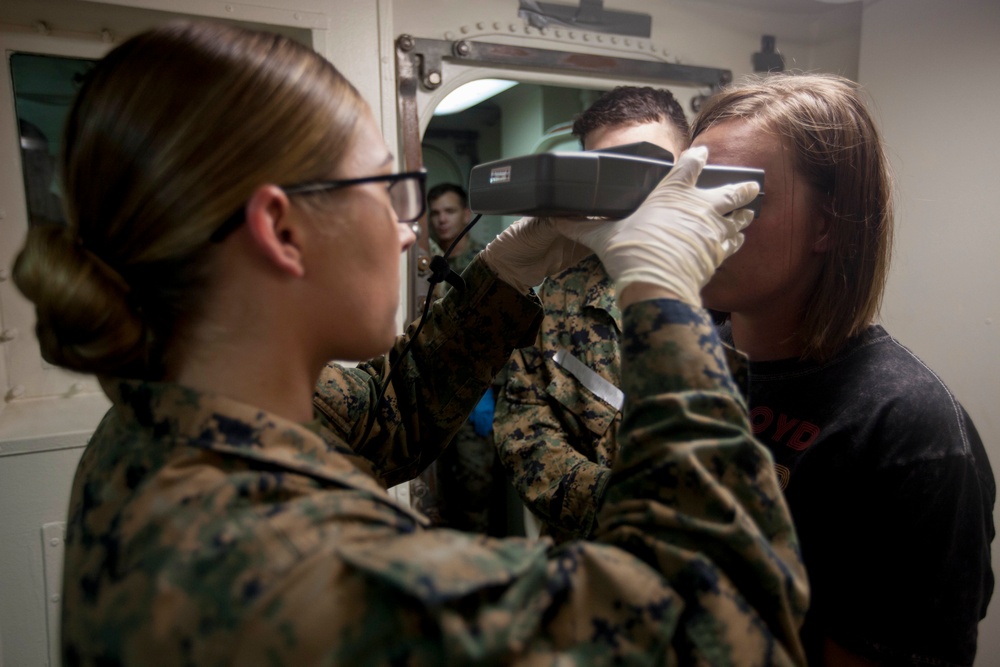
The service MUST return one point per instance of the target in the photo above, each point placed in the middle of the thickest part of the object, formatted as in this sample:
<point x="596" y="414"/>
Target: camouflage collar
<point x="599" y="290"/>
<point x="174" y="413"/>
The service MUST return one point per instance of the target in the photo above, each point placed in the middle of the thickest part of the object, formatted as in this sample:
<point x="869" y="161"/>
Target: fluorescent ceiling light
<point x="472" y="94"/>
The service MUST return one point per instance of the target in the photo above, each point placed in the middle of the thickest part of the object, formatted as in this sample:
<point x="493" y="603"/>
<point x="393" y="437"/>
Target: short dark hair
<point x="632" y="105"/>
<point x="445" y="188"/>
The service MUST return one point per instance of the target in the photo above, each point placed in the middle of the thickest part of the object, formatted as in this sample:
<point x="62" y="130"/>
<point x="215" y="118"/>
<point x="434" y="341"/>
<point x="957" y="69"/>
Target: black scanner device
<point x="610" y="182"/>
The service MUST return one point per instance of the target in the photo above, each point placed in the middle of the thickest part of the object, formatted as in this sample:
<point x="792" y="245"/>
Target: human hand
<point x="529" y="250"/>
<point x="677" y="238"/>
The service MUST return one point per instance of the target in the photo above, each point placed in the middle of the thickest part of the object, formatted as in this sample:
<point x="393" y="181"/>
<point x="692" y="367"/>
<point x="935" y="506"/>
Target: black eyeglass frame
<point x="308" y="187"/>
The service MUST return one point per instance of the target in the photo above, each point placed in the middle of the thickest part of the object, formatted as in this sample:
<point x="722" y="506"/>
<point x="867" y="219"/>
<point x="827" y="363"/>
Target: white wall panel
<point x="933" y="69"/>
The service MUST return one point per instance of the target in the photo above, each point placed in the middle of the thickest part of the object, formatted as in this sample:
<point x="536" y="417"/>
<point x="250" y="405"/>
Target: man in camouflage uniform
<point x="448" y="214"/>
<point x="557" y="417"/>
<point x="254" y="540"/>
<point x="465" y="488"/>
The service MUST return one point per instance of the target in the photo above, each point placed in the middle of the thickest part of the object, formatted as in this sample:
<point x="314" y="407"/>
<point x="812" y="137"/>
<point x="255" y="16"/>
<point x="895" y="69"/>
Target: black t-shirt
<point x="892" y="496"/>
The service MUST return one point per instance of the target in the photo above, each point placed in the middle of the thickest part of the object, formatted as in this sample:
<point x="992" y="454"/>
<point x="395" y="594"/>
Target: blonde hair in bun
<point x="169" y="136"/>
<point x="85" y="322"/>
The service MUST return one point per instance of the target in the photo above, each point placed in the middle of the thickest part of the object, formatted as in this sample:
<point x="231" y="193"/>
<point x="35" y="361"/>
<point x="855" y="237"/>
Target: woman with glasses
<point x="233" y="226"/>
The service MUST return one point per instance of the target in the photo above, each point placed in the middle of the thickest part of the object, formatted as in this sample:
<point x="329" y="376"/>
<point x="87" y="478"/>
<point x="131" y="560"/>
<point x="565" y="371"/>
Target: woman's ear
<point x="275" y="230"/>
<point x="824" y="232"/>
<point x="823" y="241"/>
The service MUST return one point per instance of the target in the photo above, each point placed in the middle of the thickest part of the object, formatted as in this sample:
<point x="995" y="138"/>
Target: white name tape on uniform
<point x="599" y="386"/>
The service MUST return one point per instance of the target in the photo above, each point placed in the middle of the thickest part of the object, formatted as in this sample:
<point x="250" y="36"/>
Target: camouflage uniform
<point x="466" y="487"/>
<point x="203" y="531"/>
<point x="459" y="263"/>
<point x="557" y="417"/>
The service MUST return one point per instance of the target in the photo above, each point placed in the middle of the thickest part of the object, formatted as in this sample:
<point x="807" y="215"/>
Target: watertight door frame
<point x="419" y="67"/>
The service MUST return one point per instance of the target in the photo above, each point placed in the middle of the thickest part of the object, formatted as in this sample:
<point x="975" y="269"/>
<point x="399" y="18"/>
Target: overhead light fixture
<point x="472" y="94"/>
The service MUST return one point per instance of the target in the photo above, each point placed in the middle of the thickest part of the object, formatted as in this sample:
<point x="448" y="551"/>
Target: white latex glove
<point x="677" y="238"/>
<point x="529" y="250"/>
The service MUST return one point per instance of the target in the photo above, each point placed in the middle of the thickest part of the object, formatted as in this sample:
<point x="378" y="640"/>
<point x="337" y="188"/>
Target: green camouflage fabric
<point x="203" y="531"/>
<point x="467" y="337"/>
<point x="433" y="247"/>
<point x="466" y="487"/>
<point x="458" y="262"/>
<point x="556" y="438"/>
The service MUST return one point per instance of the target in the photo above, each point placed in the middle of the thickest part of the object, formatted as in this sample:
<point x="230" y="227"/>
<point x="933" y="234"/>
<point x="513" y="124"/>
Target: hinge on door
<point x="425" y="56"/>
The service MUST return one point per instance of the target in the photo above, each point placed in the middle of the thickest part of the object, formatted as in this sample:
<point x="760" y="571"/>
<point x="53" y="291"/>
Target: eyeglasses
<point x="406" y="191"/>
<point x="406" y="194"/>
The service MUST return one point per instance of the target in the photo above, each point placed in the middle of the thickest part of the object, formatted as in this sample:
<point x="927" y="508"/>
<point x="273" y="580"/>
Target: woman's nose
<point x="407" y="235"/>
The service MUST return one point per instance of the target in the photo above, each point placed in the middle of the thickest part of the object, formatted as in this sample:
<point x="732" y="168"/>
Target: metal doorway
<point x="420" y="68"/>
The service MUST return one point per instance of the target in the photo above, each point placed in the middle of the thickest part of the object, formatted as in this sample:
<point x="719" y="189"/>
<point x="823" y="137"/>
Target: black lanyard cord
<point x="440" y="270"/>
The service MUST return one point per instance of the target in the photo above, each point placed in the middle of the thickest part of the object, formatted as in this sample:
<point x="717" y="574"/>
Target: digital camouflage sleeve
<point x="557" y="416"/>
<point x="465" y="341"/>
<point x="203" y="531"/>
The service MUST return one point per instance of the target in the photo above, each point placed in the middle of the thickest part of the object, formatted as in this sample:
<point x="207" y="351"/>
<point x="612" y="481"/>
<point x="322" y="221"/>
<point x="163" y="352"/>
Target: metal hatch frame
<point x="419" y="65"/>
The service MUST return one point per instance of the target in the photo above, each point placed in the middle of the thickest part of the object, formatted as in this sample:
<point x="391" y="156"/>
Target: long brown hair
<point x="837" y="148"/>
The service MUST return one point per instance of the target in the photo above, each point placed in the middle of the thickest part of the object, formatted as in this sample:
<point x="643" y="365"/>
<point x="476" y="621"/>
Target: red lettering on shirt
<point x="792" y="432"/>
<point x="761" y="418"/>
<point x="804" y="436"/>
<point x="784" y="474"/>
<point x="784" y="425"/>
